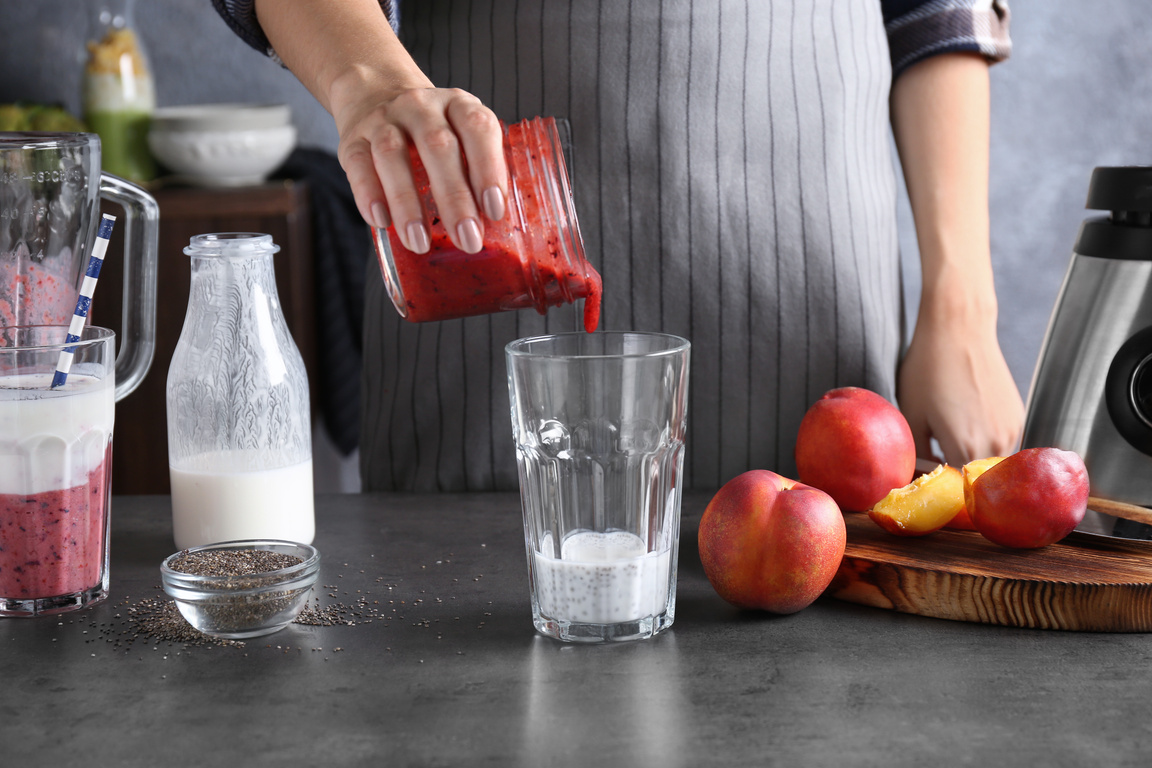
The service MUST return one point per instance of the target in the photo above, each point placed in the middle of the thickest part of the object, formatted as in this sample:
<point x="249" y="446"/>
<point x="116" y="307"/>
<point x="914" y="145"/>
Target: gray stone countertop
<point x="452" y="673"/>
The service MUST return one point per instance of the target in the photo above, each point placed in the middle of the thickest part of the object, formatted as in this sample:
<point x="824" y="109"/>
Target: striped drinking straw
<point x="84" y="301"/>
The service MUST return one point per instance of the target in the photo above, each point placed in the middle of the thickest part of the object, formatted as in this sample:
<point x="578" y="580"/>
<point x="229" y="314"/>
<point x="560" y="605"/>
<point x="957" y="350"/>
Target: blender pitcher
<point x="50" y="192"/>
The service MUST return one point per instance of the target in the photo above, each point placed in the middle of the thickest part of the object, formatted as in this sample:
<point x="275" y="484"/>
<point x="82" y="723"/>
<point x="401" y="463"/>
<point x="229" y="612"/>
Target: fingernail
<point x="418" y="241"/>
<point x="380" y="215"/>
<point x="494" y="203"/>
<point x="468" y="232"/>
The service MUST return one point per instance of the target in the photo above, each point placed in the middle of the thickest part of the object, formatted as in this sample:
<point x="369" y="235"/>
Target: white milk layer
<point x="212" y="501"/>
<point x="52" y="439"/>
<point x="601" y="578"/>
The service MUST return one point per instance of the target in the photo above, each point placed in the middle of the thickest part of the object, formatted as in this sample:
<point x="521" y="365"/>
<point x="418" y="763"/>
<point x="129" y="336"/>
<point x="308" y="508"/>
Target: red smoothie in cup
<point x="52" y="543"/>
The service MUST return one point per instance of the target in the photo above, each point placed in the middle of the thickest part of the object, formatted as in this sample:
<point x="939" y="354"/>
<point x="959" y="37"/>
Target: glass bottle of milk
<point x="239" y="425"/>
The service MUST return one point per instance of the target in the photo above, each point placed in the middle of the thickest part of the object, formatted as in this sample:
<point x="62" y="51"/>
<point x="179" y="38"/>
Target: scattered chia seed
<point x="156" y="624"/>
<point x="159" y="620"/>
<point x="156" y="620"/>
<point x="232" y="562"/>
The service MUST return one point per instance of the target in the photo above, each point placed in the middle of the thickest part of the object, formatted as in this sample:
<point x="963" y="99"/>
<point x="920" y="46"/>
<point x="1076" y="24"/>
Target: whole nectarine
<point x="771" y="543"/>
<point x="855" y="446"/>
<point x="1031" y="499"/>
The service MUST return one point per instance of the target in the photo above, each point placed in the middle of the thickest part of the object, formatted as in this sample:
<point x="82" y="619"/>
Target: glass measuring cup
<point x="50" y="192"/>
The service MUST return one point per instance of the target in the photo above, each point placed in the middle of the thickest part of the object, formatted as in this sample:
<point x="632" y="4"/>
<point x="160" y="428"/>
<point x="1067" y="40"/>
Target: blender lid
<point x="1125" y="191"/>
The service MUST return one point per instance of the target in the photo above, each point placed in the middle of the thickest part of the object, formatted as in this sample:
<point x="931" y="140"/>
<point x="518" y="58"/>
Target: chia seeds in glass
<point x="241" y="590"/>
<point x="231" y="562"/>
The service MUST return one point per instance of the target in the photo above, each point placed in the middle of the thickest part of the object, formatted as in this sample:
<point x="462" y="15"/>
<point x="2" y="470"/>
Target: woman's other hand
<point x="955" y="386"/>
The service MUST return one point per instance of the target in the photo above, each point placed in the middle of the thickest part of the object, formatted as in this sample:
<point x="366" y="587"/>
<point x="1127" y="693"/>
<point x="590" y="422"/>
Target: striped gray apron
<point x="733" y="180"/>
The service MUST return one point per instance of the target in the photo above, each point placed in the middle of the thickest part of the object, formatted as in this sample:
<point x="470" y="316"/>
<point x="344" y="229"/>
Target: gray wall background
<point x="1075" y="94"/>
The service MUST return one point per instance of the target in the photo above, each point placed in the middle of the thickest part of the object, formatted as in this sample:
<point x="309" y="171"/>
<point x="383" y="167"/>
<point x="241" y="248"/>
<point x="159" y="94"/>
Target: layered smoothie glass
<point x="599" y="422"/>
<point x="55" y="469"/>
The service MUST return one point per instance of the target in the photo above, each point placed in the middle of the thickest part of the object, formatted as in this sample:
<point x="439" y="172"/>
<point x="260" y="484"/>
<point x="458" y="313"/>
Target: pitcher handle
<point x="141" y="231"/>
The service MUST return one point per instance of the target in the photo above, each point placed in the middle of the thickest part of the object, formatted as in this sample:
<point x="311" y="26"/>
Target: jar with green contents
<point x="119" y="96"/>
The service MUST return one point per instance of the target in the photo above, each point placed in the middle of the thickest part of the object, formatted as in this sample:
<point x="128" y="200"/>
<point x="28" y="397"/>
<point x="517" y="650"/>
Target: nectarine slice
<point x="962" y="521"/>
<point x="925" y="505"/>
<point x="970" y="472"/>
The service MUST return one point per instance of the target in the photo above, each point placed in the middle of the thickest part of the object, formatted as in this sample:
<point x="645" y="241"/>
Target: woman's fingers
<point x="356" y="160"/>
<point x="460" y="144"/>
<point x="464" y="160"/>
<point x="483" y="144"/>
<point x="392" y="164"/>
<point x="439" y="150"/>
<point x="955" y="387"/>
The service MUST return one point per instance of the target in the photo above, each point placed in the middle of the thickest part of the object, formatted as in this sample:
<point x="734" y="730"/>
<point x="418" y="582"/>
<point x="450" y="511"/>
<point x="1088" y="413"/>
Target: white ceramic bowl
<point x="222" y="145"/>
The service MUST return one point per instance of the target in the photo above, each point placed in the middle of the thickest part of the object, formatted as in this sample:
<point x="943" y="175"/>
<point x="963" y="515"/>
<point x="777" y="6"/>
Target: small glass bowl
<point x="239" y="607"/>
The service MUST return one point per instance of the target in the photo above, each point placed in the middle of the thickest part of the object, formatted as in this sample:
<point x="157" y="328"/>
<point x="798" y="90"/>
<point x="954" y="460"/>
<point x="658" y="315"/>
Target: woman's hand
<point x="459" y="142"/>
<point x="954" y="385"/>
<point x="347" y="55"/>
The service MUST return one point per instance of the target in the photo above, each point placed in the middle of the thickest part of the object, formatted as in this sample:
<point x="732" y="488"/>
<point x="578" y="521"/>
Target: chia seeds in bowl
<point x="241" y="589"/>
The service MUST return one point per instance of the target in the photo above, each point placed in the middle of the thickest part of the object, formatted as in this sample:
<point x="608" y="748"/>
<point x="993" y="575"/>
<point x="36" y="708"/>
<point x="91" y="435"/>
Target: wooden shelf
<point x="280" y="209"/>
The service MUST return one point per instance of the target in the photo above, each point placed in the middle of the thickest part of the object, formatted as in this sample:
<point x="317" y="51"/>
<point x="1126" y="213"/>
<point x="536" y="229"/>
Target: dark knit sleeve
<point x="240" y="15"/>
<point x="918" y="29"/>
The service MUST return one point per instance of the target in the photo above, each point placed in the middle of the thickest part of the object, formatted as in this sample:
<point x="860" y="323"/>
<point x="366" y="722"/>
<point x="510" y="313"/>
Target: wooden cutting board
<point x="1085" y="582"/>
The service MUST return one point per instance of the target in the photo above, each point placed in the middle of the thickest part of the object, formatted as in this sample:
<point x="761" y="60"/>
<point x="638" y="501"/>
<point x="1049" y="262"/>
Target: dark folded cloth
<point x="342" y="245"/>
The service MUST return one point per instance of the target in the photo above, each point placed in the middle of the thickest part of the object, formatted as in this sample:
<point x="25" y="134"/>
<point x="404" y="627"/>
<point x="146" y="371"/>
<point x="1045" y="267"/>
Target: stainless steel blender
<point x="1092" y="388"/>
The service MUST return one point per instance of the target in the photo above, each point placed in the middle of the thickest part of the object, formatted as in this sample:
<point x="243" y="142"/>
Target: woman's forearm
<point x="338" y="49"/>
<point x="953" y="385"/>
<point x="940" y="118"/>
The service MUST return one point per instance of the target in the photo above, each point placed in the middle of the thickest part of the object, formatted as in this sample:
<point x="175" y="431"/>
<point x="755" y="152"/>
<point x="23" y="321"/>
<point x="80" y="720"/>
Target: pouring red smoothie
<point x="532" y="257"/>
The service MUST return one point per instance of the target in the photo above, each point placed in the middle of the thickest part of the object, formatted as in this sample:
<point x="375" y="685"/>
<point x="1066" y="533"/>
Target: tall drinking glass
<point x="55" y="469"/>
<point x="599" y="423"/>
